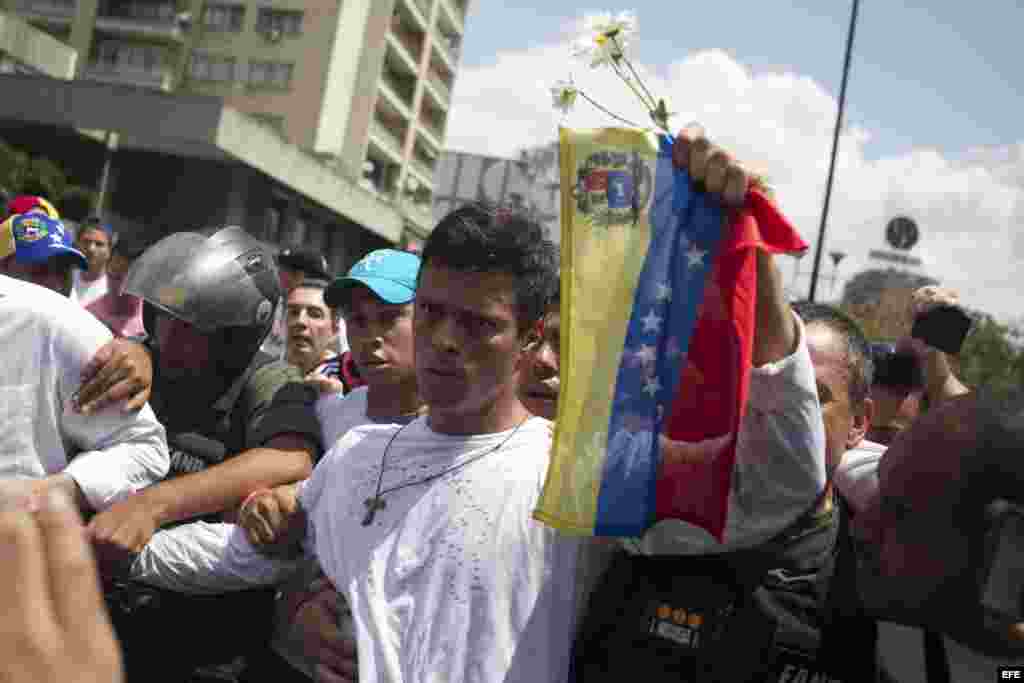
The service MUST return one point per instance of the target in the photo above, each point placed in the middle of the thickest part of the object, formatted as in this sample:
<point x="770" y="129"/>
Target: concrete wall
<point x="166" y="193"/>
<point x="35" y="49"/>
<point x="362" y="96"/>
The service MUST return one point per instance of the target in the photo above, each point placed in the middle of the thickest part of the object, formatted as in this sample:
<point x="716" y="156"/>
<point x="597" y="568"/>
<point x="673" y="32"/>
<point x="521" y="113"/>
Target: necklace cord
<point x="373" y="503"/>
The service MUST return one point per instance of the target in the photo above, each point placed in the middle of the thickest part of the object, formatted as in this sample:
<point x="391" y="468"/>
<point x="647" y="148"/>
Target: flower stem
<point x="608" y="111"/>
<point x="650" y="102"/>
<point x="629" y="82"/>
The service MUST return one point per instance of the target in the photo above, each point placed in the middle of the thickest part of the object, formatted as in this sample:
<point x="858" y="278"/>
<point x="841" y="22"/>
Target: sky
<point x="934" y="123"/>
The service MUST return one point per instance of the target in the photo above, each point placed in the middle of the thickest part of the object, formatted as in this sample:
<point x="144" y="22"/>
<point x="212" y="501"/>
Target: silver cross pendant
<point x="372" y="505"/>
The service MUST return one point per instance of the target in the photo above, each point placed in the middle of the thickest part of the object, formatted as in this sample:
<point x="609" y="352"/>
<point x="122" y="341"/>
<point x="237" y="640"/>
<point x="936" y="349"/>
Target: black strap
<point x="936" y="663"/>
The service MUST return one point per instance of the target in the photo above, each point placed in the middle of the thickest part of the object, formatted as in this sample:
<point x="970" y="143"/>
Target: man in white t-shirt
<point x="427" y="528"/>
<point x="96" y="459"/>
<point x="376" y="299"/>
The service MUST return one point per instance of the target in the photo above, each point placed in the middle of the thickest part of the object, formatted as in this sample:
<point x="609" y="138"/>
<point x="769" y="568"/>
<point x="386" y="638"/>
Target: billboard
<point x="529" y="183"/>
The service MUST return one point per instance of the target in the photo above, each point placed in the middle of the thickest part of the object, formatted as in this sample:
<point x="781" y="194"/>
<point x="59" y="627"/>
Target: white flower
<point x="605" y="38"/>
<point x="563" y="96"/>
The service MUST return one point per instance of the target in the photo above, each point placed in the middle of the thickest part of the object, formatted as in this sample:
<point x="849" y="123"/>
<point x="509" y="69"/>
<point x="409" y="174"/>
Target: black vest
<point x="784" y="613"/>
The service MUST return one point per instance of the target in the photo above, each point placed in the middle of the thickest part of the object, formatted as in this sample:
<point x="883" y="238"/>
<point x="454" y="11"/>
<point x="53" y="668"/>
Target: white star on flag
<point x="651" y="321"/>
<point x="664" y="292"/>
<point x="652" y="386"/>
<point x="646" y="354"/>
<point x="695" y="257"/>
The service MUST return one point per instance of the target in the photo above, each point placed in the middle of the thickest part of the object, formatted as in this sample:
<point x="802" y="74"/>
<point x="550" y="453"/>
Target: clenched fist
<point x="272" y="519"/>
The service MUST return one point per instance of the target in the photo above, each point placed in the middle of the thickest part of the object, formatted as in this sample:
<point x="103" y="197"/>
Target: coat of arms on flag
<point x="658" y="291"/>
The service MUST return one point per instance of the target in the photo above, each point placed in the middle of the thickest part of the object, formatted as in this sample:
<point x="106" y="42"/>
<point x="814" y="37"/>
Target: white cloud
<point x="969" y="209"/>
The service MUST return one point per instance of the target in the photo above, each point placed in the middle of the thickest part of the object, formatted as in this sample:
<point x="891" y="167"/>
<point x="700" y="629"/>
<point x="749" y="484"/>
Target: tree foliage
<point x="24" y="174"/>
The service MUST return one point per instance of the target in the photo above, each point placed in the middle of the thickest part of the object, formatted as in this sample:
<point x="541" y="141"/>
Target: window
<point x="116" y="55"/>
<point x="273" y="74"/>
<point x="141" y="10"/>
<point x="205" y="67"/>
<point x="284" y="22"/>
<point x="52" y="6"/>
<point x="228" y="18"/>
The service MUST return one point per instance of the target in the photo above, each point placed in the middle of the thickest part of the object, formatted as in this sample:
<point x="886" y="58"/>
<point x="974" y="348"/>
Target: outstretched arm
<point x="126" y="527"/>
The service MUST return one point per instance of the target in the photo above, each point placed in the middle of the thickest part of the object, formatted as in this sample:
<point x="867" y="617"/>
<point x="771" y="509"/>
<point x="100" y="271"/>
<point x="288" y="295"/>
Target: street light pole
<point x="835" y="148"/>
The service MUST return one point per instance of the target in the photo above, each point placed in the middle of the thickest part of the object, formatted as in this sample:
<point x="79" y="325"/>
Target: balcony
<point x="439" y="91"/>
<point x="446" y="45"/>
<point x="54" y="12"/>
<point x="423" y="169"/>
<point x="420" y="11"/>
<point x="432" y="132"/>
<point x="387" y="139"/>
<point x="398" y="91"/>
<point x="155" y="21"/>
<point x="408" y="44"/>
<point x="155" y="79"/>
<point x="454" y="12"/>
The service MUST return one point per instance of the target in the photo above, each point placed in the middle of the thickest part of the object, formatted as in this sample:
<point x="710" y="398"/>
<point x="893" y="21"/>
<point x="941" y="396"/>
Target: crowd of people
<point x="286" y="475"/>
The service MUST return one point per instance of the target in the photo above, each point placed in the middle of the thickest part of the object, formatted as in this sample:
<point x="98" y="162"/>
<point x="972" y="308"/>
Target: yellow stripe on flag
<point x="7" y="245"/>
<point x="602" y="257"/>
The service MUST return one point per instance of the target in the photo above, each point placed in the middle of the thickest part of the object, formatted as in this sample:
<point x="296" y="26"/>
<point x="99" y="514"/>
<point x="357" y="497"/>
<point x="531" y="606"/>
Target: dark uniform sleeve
<point x="279" y="402"/>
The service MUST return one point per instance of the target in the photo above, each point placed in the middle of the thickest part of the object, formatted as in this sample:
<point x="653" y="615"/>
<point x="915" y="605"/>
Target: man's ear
<point x="861" y="423"/>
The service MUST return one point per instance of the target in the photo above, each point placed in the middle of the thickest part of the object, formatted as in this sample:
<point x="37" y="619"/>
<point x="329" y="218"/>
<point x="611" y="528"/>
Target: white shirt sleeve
<point x="208" y="559"/>
<point x="118" y="453"/>
<point x="779" y="471"/>
<point x="780" y="452"/>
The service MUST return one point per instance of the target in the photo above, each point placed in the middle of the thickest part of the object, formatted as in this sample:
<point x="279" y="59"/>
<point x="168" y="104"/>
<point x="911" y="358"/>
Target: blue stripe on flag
<point x="686" y="231"/>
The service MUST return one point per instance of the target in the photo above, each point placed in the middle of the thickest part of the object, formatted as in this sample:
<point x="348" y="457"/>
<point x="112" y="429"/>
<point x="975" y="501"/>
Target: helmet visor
<point x="193" y="278"/>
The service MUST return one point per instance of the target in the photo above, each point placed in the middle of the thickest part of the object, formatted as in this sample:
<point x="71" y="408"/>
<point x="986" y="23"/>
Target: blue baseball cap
<point x="37" y="238"/>
<point x="388" y="273"/>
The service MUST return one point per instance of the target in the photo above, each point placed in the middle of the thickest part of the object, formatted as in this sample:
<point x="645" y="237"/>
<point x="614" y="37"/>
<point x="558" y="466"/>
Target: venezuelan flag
<point x="650" y="268"/>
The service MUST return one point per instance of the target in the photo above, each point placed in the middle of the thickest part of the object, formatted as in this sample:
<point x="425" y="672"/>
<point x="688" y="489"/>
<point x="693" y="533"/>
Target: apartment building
<point x="365" y="85"/>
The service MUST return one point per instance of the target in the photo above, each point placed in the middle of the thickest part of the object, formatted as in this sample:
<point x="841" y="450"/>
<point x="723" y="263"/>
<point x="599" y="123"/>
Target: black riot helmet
<point x="222" y="281"/>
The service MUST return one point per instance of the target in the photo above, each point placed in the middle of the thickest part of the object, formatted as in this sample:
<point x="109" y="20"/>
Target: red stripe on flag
<point x="716" y="377"/>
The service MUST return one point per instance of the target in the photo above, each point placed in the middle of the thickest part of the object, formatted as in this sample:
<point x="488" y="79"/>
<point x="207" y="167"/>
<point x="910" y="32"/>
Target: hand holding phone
<point x="943" y="327"/>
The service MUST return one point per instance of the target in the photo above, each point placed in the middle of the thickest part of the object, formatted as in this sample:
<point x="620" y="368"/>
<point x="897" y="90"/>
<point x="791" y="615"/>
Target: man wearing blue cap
<point x="46" y="444"/>
<point x="376" y="301"/>
<point x="40" y="251"/>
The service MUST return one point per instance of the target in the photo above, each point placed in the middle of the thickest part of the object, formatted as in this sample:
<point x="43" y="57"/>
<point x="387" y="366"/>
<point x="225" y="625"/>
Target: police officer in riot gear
<point x="209" y="299"/>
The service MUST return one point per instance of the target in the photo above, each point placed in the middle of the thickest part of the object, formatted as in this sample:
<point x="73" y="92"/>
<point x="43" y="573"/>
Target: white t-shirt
<point x="339" y="413"/>
<point x="454" y="581"/>
<point x="46" y="340"/>
<point x="84" y="292"/>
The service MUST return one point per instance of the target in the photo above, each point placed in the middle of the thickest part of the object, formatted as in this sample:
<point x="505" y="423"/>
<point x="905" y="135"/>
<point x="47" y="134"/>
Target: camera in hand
<point x="897" y="369"/>
<point x="943" y="328"/>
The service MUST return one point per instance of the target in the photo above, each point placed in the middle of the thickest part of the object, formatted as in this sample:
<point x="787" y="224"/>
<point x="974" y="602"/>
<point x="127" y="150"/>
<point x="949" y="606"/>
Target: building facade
<point x="26" y="50"/>
<point x="364" y="85"/>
